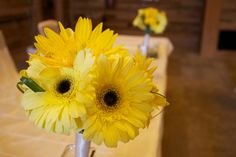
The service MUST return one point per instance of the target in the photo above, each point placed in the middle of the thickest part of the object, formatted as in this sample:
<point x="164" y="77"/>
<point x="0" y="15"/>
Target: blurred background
<point x="201" y="72"/>
<point x="19" y="19"/>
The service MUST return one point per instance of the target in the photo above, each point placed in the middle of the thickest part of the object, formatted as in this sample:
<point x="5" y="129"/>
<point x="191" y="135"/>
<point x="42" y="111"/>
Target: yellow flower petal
<point x="30" y="100"/>
<point x="76" y="110"/>
<point x="83" y="62"/>
<point x="110" y="136"/>
<point x="96" y="32"/>
<point x="50" y="72"/>
<point x="83" y="30"/>
<point x="35" y="69"/>
<point x="159" y="100"/>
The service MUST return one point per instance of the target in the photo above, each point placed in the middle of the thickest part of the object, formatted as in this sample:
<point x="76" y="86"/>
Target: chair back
<point x="52" y="24"/>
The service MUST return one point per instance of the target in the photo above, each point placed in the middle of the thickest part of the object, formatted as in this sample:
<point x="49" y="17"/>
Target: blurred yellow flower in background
<point x="151" y="20"/>
<point x="150" y="16"/>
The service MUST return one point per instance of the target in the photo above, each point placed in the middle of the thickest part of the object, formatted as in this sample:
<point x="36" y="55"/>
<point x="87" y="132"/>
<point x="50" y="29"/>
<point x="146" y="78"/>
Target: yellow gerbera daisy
<point x="122" y="101"/>
<point x="60" y="49"/>
<point x="67" y="93"/>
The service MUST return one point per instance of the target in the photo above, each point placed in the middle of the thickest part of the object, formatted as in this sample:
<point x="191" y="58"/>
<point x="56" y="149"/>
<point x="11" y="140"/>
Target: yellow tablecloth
<point x="20" y="138"/>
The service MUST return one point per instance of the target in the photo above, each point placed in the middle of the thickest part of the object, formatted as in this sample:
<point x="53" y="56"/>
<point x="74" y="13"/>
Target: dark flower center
<point x="110" y="98"/>
<point x="63" y="86"/>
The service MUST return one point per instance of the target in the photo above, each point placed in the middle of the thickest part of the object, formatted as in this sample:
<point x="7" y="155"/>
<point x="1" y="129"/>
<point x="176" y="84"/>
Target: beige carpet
<point x="201" y="121"/>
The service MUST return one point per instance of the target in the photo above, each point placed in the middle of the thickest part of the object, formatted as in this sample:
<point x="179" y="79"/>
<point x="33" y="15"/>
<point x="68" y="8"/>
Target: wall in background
<point x="219" y="25"/>
<point x="185" y="17"/>
<point x="19" y="18"/>
<point x="228" y="14"/>
<point x="15" y="22"/>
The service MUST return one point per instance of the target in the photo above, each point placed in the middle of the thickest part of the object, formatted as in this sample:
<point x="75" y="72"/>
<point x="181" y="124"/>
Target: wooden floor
<point x="201" y="121"/>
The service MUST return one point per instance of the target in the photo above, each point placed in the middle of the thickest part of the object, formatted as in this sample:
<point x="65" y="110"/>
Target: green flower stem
<point x="148" y="30"/>
<point x="31" y="84"/>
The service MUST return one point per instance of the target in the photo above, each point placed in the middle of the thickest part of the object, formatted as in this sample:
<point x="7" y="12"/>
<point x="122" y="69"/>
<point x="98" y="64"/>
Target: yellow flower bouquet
<point x="150" y="20"/>
<point x="77" y="81"/>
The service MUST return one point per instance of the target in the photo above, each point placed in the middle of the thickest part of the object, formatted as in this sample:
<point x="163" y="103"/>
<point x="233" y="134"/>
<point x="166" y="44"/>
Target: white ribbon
<point x="144" y="47"/>
<point x="81" y="147"/>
